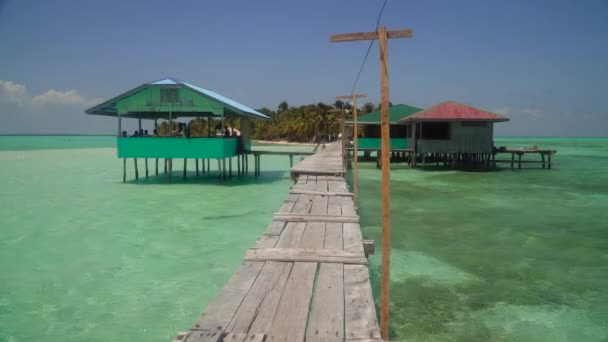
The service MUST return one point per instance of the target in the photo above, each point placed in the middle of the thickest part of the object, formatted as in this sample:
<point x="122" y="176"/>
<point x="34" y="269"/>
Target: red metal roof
<point x="454" y="111"/>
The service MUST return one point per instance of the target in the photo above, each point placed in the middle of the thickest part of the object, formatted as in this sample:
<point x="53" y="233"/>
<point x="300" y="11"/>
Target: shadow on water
<point x="212" y="178"/>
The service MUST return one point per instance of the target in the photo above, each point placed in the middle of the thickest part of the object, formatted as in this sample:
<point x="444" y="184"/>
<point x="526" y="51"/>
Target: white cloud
<point x="11" y="92"/>
<point x="504" y="110"/>
<point x="56" y="97"/>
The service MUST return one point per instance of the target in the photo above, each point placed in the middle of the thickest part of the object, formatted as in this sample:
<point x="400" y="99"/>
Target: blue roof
<point x="109" y="107"/>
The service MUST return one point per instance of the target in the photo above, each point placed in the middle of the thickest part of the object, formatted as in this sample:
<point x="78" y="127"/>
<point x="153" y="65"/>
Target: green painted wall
<point x="400" y="143"/>
<point x="213" y="148"/>
<point x="148" y="100"/>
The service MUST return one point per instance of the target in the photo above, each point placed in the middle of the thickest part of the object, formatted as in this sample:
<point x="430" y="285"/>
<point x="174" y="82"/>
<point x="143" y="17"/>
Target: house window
<point x="435" y="131"/>
<point x="169" y="95"/>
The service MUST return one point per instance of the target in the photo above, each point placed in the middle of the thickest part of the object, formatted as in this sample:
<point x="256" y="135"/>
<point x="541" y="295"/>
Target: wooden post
<point x="170" y="168"/>
<point x="355" y="143"/>
<point x="185" y="166"/>
<point x="549" y="161"/>
<point x="124" y="170"/>
<point x="542" y="156"/>
<point x="165" y="165"/>
<point x="519" y="157"/>
<point x="230" y="167"/>
<point x="119" y="125"/>
<point x="136" y="170"/>
<point x="138" y="126"/>
<point x="146" y="162"/>
<point x="512" y="159"/>
<point x="382" y="35"/>
<point x="219" y="169"/>
<point x="290" y="161"/>
<point x="196" y="163"/>
<point x="238" y="164"/>
<point x="156" y="172"/>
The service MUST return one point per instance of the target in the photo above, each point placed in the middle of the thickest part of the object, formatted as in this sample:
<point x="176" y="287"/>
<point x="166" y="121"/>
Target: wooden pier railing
<point x="306" y="279"/>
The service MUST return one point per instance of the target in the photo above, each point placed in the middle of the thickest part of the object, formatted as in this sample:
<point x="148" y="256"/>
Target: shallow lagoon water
<point x="497" y="256"/>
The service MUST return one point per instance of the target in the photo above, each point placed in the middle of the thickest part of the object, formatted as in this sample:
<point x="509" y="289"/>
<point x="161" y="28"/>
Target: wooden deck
<point x="326" y="162"/>
<point x="306" y="279"/>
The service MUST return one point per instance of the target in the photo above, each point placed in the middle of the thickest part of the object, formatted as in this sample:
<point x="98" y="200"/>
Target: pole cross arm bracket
<point x="351" y="37"/>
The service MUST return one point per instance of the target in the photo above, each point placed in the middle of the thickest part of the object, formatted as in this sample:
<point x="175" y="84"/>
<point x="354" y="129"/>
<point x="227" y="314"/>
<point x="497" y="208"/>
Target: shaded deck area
<point x="307" y="278"/>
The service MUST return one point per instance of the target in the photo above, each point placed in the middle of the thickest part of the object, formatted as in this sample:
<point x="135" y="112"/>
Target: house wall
<point x="463" y="139"/>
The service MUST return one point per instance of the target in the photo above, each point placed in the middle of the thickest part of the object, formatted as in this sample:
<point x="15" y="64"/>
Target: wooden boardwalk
<point x="306" y="279"/>
<point x="326" y="162"/>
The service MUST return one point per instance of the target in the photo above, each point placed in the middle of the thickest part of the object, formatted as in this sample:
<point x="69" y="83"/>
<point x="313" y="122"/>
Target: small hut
<point x="170" y="99"/>
<point x="452" y="130"/>
<point x="371" y="137"/>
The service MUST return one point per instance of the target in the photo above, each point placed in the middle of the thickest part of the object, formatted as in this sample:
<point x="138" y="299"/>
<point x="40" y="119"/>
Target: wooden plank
<point x="350" y="37"/>
<point x="203" y="336"/>
<point x="326" y="321"/>
<point x="314" y="235"/>
<point x="287" y="206"/>
<point x="244" y="338"/>
<point x="303" y="205"/>
<point x="267" y="241"/>
<point x="360" y="313"/>
<point x="290" y="320"/>
<point x="315" y="218"/>
<point x="257" y="311"/>
<point x="321" y="193"/>
<point x="275" y="228"/>
<point x="305" y="255"/>
<point x="353" y="240"/>
<point x="292" y="234"/>
<point x="333" y="236"/>
<point x="319" y="205"/>
<point x="221" y="310"/>
<point x="334" y="206"/>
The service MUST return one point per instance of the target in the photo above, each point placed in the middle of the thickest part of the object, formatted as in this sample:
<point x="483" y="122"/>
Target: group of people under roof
<point x="180" y="131"/>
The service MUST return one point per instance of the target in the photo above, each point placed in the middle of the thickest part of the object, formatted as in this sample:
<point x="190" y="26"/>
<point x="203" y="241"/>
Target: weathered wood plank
<point x="244" y="338"/>
<point x="292" y="234"/>
<point x="286" y="207"/>
<point x="360" y="313"/>
<point x="305" y="255"/>
<point x="289" y="323"/>
<point x="333" y="236"/>
<point x="259" y="306"/>
<point x="275" y="228"/>
<point x="321" y="193"/>
<point x="203" y="336"/>
<point x="319" y="205"/>
<point x="353" y="240"/>
<point x="221" y="310"/>
<point x="267" y="241"/>
<point x="334" y="206"/>
<point x="292" y="217"/>
<point x="326" y="322"/>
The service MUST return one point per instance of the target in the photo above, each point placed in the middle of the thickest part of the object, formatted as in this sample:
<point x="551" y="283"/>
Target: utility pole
<point x="382" y="35"/>
<point x="355" y="141"/>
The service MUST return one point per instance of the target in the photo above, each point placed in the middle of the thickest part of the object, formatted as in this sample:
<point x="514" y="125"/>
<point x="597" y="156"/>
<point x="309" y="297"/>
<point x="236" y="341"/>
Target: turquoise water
<point x="498" y="256"/>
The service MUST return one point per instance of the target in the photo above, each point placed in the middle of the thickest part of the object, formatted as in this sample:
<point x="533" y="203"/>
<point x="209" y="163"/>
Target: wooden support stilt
<point x="230" y="167"/>
<point x="246" y="163"/>
<point x="136" y="170"/>
<point x="224" y="168"/>
<point x="542" y="156"/>
<point x="519" y="157"/>
<point x="494" y="159"/>
<point x="165" y="165"/>
<point x="146" y="162"/>
<point x="156" y="163"/>
<point x="196" y="164"/>
<point x="124" y="170"/>
<point x="290" y="160"/>
<point x="170" y="162"/>
<point x="185" y="166"/>
<point x="512" y="160"/>
<point x="549" y="161"/>
<point x="238" y="165"/>
<point x="219" y="169"/>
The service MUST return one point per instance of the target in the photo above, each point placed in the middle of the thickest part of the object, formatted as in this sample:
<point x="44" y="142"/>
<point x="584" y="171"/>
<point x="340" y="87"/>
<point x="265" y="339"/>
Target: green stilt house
<point x="170" y="99"/>
<point x="370" y="138"/>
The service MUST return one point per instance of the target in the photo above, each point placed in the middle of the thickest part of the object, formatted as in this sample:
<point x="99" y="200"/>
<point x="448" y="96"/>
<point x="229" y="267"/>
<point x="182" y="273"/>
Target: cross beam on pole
<point x="382" y="35"/>
<point x="354" y="98"/>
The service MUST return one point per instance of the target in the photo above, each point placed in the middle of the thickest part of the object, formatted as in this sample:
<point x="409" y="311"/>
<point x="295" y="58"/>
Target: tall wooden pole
<point x="382" y="35"/>
<point x="355" y="143"/>
<point x="386" y="196"/>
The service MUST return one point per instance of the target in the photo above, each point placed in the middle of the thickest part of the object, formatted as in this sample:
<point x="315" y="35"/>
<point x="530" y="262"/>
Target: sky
<point x="544" y="64"/>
